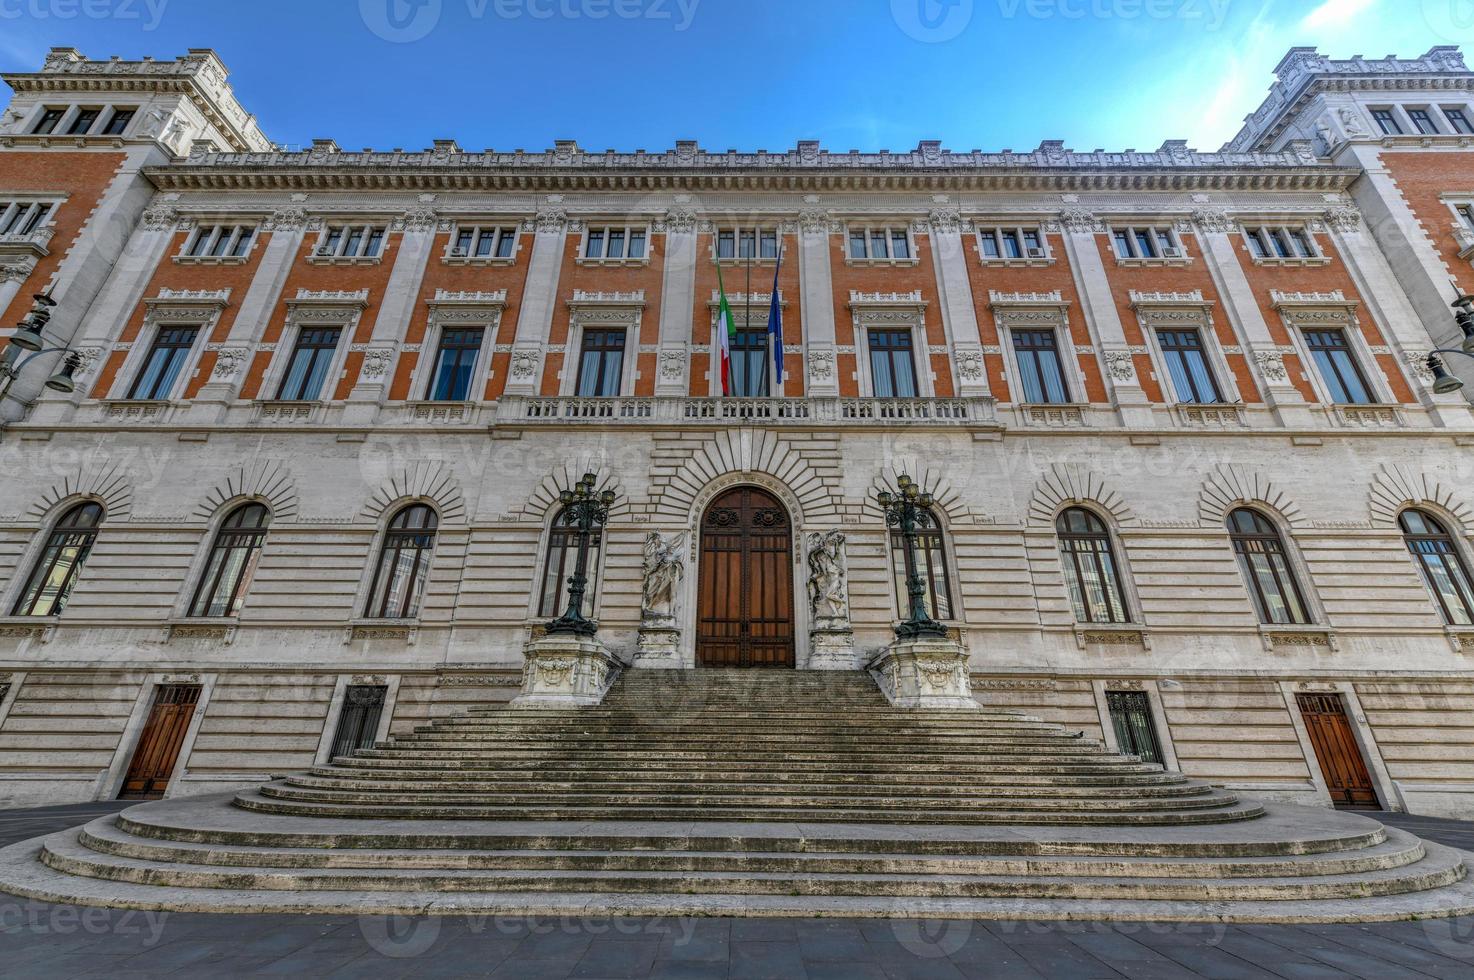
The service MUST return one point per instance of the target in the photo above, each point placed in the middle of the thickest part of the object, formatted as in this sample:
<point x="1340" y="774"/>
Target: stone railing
<point x="749" y="411"/>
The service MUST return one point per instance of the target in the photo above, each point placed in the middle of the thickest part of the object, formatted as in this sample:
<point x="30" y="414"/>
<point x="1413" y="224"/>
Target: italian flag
<point x="727" y="330"/>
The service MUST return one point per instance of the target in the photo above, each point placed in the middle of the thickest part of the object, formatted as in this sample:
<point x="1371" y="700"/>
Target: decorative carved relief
<point x="828" y="588"/>
<point x="664" y="568"/>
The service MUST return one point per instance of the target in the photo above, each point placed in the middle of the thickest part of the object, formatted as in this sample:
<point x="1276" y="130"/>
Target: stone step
<point x="752" y="789"/>
<point x="778" y="739"/>
<point x="669" y="727"/>
<point x="1044" y="767"/>
<point x="755" y="799"/>
<point x="105" y="837"/>
<point x="592" y="772"/>
<point x="1065" y="756"/>
<point x="1221" y="810"/>
<point x="1438" y="868"/>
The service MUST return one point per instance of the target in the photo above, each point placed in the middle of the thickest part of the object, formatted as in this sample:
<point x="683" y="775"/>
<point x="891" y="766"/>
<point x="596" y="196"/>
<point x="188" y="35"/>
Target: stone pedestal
<point x="924" y="674"/>
<point x="564" y="671"/>
<point x="659" y="647"/>
<point x="834" y="649"/>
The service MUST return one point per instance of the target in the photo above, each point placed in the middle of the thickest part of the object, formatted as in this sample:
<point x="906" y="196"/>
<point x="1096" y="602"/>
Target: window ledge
<point x="202" y="628"/>
<point x="1461" y="638"/>
<point x="135" y="409"/>
<point x="441" y="412"/>
<point x="1306" y="637"/>
<point x="28" y="627"/>
<point x="479" y="260"/>
<point x="852" y="261"/>
<point x="1112" y="634"/>
<point x="405" y="630"/>
<point x="1210" y="414"/>
<point x="1178" y="263"/>
<point x="1377" y="416"/>
<point x="346" y="259"/>
<point x="273" y="410"/>
<point x="998" y="262"/>
<point x="1315" y="260"/>
<point x="629" y="263"/>
<point x="1064" y="414"/>
<point x="212" y="259"/>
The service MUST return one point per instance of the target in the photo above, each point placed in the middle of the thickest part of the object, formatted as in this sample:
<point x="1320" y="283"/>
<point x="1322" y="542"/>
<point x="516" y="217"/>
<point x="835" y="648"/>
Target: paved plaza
<point x="41" y="940"/>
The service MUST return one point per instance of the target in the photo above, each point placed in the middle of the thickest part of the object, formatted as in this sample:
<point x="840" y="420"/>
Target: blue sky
<point x="746" y="74"/>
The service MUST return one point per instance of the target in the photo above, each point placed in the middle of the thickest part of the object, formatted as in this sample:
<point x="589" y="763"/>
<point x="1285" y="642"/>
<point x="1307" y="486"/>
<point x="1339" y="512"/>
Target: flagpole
<point x="747" y="316"/>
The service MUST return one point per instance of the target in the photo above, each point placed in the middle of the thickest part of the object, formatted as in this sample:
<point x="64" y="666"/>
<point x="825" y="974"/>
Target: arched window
<point x="1266" y="569"/>
<point x="1091" y="570"/>
<point x="558" y="569"/>
<point x="1443" y="567"/>
<point x="931" y="562"/>
<point x="232" y="562"/>
<point x="404" y="561"/>
<point x="50" y="585"/>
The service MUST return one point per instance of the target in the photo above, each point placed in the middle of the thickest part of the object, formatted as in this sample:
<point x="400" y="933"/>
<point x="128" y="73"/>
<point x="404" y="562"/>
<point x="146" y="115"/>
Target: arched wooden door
<point x="745" y="610"/>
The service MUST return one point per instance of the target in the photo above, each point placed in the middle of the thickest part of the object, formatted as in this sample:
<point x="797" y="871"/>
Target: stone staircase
<point x="748" y="793"/>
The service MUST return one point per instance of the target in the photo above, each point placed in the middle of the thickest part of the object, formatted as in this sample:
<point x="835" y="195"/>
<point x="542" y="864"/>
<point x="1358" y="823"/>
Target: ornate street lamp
<point x="583" y="510"/>
<point x="908" y="509"/>
<point x="28" y="338"/>
<point x="1465" y="319"/>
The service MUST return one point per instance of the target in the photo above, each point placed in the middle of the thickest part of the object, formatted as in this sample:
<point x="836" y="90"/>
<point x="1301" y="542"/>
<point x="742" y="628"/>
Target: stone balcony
<point x="960" y="412"/>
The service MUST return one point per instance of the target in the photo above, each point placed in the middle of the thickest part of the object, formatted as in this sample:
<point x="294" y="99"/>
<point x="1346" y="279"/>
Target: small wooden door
<point x="745" y="613"/>
<point x="158" y="747"/>
<point x="1337" y="752"/>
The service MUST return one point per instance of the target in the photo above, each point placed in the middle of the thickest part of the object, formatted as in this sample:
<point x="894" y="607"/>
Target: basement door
<point x="745" y="606"/>
<point x="158" y="748"/>
<point x="1337" y="752"/>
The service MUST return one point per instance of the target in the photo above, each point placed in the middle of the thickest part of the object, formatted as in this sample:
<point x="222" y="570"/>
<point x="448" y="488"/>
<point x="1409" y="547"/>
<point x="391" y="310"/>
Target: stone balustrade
<point x="977" y="411"/>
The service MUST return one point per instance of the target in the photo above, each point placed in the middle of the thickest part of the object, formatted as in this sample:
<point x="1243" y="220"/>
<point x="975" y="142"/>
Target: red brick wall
<point x="704" y="361"/>
<point x="608" y="279"/>
<point x="866" y="278"/>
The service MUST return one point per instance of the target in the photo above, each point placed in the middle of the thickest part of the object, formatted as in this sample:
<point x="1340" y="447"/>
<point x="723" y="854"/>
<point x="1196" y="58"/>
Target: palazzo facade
<point x="1195" y="493"/>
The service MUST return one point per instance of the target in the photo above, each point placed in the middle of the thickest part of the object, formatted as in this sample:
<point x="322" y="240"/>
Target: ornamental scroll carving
<point x="228" y="363"/>
<point x="828" y="592"/>
<point x="376" y="364"/>
<point x="970" y="365"/>
<point x="821" y="365"/>
<point x="524" y="365"/>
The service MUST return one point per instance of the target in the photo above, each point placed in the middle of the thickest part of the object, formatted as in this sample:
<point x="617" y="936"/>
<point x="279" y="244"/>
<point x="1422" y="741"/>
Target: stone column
<point x="821" y="357"/>
<point x="539" y="303"/>
<point x="959" y="315"/>
<point x="416" y="241"/>
<point x="1265" y="356"/>
<point x="677" y="301"/>
<point x="1099" y="307"/>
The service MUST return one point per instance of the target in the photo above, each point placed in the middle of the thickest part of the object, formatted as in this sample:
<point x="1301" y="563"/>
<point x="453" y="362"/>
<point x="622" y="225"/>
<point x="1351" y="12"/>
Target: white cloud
<point x="1336" y="14"/>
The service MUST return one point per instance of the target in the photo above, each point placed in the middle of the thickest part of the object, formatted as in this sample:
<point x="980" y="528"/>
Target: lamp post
<point x="29" y="339"/>
<point x="908" y="509"/>
<point x="1443" y="382"/>
<point x="583" y="510"/>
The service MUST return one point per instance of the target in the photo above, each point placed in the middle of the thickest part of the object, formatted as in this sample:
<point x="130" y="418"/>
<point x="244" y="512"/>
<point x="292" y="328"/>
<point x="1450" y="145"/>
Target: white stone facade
<point x="1159" y="472"/>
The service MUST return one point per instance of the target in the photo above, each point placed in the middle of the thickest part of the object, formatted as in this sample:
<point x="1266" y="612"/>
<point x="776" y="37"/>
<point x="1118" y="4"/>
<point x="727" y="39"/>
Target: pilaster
<point x="958" y="313"/>
<point x="677" y="300"/>
<point x="816" y="277"/>
<point x="539" y="296"/>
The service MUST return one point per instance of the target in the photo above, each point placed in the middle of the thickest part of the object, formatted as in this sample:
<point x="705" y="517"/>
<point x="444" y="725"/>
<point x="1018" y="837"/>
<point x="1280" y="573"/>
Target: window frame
<point x="332" y="359"/>
<point x="1064" y="354"/>
<point x="761" y="234"/>
<point x="1427" y="115"/>
<point x="202" y="246"/>
<point x="1070" y="561"/>
<point x="564" y="539"/>
<point x="339" y="235"/>
<point x="412" y="602"/>
<point x="1354" y="353"/>
<point x="627" y="357"/>
<point x="1288" y="244"/>
<point x="938" y="559"/>
<point x="475" y="387"/>
<point x="79" y="113"/>
<point x="186" y="363"/>
<point x="1386" y="120"/>
<point x="1130" y="235"/>
<point x="25" y="217"/>
<point x="44" y="559"/>
<point x="210" y="577"/>
<point x="1212" y="364"/>
<point x="889" y="232"/>
<point x="1253" y="586"/>
<point x="891" y="354"/>
<point x="1463" y="582"/>
<point x="501" y="232"/>
<point x="1458" y="120"/>
<point x="995" y="231"/>
<point x="603" y="232"/>
<point x="50" y="117"/>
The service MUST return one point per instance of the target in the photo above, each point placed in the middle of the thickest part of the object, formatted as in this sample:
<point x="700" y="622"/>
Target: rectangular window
<point x="483" y="243"/>
<point x="22" y="217"/>
<point x="1338" y="369"/>
<point x="1459" y="120"/>
<point x="614" y="244"/>
<point x="1387" y="122"/>
<point x="1146" y="243"/>
<point x="351" y="242"/>
<point x="1131" y="718"/>
<point x="746" y="243"/>
<point x="308" y="368"/>
<point x="750" y="357"/>
<point x="892" y="369"/>
<point x="118" y="122"/>
<point x="1187" y="363"/>
<point x="1011" y="243"/>
<point x="880" y="244"/>
<point x="930" y="561"/>
<point x="1041" y="374"/>
<point x="358" y="724"/>
<point x="600" y="363"/>
<point x="1280" y="242"/>
<point x="454" y="362"/>
<point x="1423" y="122"/>
<point x="48" y="122"/>
<point x="219" y="241"/>
<point x="1466" y="212"/>
<point x="83" y="121"/>
<point x="163" y="364"/>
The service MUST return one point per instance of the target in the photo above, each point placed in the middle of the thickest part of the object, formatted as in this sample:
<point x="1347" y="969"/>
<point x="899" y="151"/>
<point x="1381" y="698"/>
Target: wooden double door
<point x="745" y="582"/>
<point x="157" y="753"/>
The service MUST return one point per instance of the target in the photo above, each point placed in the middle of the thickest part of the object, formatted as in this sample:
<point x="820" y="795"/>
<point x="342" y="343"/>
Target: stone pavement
<point x="41" y="940"/>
